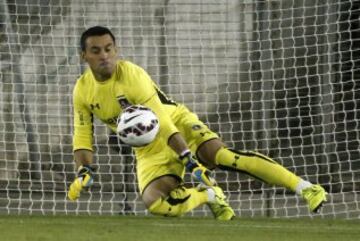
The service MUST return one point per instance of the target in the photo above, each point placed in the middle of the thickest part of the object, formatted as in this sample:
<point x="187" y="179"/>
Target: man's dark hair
<point x="94" y="31"/>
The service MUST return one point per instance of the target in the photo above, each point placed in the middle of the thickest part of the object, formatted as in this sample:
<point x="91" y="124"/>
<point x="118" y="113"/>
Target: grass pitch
<point x="135" y="228"/>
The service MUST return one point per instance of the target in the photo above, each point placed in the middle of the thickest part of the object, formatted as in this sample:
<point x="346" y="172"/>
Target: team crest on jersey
<point x="123" y="102"/>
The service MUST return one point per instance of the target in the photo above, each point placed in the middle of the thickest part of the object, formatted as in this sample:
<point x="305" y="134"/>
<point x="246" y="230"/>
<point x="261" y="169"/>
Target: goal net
<point x="278" y="77"/>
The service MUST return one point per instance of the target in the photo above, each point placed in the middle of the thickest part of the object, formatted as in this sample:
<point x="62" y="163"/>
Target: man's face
<point x="101" y="55"/>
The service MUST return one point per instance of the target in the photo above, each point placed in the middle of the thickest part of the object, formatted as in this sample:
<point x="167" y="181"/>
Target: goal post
<point x="278" y="77"/>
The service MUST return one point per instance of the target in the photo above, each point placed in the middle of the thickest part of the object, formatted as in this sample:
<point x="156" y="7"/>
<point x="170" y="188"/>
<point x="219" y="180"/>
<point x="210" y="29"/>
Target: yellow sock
<point x="180" y="201"/>
<point x="258" y="166"/>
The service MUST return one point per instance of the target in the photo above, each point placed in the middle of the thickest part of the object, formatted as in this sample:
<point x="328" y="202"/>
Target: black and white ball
<point x="137" y="125"/>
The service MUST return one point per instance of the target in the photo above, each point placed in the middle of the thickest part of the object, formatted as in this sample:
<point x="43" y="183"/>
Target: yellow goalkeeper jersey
<point x="129" y="84"/>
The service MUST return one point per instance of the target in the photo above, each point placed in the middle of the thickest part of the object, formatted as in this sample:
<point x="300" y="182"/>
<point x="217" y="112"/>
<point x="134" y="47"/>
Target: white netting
<point x="280" y="77"/>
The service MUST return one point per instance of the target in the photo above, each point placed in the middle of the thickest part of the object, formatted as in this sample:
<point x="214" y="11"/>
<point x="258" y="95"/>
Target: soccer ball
<point x="137" y="126"/>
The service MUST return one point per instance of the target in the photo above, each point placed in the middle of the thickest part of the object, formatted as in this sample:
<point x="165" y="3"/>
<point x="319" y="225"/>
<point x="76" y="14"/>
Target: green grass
<point x="134" y="228"/>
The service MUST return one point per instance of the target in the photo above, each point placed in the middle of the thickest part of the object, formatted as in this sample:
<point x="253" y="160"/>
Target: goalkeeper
<point x="184" y="143"/>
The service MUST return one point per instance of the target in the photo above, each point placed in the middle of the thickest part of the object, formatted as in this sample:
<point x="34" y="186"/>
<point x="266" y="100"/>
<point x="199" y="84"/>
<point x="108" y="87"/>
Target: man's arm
<point x="83" y="157"/>
<point x="201" y="173"/>
<point x="177" y="143"/>
<point x="150" y="97"/>
<point x="82" y="146"/>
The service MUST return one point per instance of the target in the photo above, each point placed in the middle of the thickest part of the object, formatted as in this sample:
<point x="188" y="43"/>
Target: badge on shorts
<point x="196" y="127"/>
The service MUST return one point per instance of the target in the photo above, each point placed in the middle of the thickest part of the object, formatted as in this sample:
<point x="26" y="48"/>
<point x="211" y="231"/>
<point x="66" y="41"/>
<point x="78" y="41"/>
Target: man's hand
<point x="84" y="179"/>
<point x="198" y="171"/>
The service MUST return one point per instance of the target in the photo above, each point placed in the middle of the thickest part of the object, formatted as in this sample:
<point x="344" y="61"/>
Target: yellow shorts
<point x="165" y="161"/>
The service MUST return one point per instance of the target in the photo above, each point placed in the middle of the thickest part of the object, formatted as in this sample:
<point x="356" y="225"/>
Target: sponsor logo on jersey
<point x="95" y="106"/>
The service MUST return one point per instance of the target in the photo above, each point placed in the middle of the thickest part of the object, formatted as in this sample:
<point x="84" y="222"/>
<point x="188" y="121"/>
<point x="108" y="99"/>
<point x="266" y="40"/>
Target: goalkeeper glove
<point x="198" y="171"/>
<point x="84" y="179"/>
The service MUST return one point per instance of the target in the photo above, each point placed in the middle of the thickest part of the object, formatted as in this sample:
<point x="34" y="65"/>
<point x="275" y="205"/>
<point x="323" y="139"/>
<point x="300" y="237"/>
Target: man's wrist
<point x="184" y="153"/>
<point x="189" y="162"/>
<point x="85" y="169"/>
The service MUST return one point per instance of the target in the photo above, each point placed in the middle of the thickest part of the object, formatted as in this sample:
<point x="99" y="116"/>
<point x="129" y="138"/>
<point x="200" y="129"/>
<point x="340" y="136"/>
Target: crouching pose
<point x="183" y="143"/>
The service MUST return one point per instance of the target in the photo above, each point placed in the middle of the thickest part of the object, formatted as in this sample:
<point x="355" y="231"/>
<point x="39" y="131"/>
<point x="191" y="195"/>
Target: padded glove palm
<point x="84" y="179"/>
<point x="198" y="171"/>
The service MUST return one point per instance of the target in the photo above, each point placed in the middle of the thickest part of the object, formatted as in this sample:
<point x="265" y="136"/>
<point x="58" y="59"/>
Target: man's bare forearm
<point x="83" y="157"/>
<point x="178" y="144"/>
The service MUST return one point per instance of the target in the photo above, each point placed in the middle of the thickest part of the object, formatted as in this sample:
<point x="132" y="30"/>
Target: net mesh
<point x="279" y="77"/>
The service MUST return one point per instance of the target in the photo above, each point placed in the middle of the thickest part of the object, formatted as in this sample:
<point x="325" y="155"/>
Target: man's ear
<point x="82" y="56"/>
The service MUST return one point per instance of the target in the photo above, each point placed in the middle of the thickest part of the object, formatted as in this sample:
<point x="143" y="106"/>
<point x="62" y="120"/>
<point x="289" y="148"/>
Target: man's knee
<point x="170" y="206"/>
<point x="207" y="152"/>
<point x="159" y="188"/>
